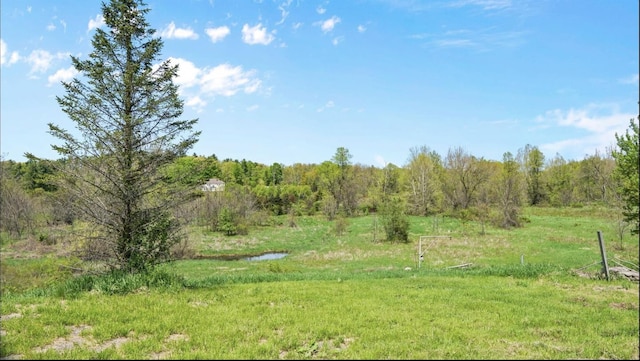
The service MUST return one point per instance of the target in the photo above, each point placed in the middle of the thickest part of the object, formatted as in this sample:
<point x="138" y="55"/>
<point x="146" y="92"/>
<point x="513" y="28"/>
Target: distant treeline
<point x="458" y="183"/>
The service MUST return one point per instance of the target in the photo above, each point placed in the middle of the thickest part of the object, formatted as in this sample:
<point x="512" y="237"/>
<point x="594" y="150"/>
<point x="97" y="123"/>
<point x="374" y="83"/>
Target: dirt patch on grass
<point x="10" y="316"/>
<point x="76" y="338"/>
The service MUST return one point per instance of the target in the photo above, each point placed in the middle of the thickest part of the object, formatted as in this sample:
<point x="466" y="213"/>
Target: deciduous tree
<point x="627" y="173"/>
<point x="532" y="164"/>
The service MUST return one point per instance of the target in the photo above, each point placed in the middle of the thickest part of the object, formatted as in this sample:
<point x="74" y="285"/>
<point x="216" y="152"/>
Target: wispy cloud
<point x="217" y="34"/>
<point x="256" y="35"/>
<point x="480" y="40"/>
<point x="196" y="102"/>
<point x="96" y="22"/>
<point x="484" y="4"/>
<point x="62" y="75"/>
<point x="7" y="58"/>
<point x="329" y="24"/>
<point x="284" y="11"/>
<point x="380" y="160"/>
<point x="632" y="79"/>
<point x="41" y="60"/>
<point x="600" y="122"/>
<point x="173" y="32"/>
<point x="329" y="104"/>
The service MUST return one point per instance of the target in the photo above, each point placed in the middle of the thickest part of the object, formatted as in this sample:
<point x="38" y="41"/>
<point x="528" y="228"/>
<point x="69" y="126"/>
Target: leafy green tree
<point x="344" y="191"/>
<point x="328" y="174"/>
<point x="125" y="106"/>
<point x="465" y="176"/>
<point x="627" y="174"/>
<point x="424" y="168"/>
<point x="273" y="174"/>
<point x="532" y="164"/>
<point x="510" y="192"/>
<point x="560" y="181"/>
<point x="594" y="178"/>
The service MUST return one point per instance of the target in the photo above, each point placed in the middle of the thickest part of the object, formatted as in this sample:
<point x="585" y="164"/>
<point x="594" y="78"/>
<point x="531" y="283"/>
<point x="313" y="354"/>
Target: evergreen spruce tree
<point x="125" y="107"/>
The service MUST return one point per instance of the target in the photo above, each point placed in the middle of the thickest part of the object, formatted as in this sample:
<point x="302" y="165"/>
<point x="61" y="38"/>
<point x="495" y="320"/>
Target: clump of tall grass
<point x="532" y="270"/>
<point x="111" y="283"/>
<point x="119" y="282"/>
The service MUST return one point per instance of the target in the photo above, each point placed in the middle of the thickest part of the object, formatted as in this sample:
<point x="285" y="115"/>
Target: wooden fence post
<point x="604" y="255"/>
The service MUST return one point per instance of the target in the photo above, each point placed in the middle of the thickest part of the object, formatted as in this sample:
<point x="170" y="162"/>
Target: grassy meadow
<point x="534" y="292"/>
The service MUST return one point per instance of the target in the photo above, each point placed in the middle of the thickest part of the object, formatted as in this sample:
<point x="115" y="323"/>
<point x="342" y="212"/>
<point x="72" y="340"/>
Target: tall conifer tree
<point x="125" y="107"/>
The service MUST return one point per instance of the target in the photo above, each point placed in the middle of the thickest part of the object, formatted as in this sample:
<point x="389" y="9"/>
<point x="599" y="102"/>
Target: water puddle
<point x="261" y="257"/>
<point x="267" y="256"/>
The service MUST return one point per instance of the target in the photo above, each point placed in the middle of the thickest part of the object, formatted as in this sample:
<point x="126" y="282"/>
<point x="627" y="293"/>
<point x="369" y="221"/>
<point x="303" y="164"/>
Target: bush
<point x="395" y="220"/>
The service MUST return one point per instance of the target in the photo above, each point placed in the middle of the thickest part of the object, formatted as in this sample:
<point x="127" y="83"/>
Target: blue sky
<point x="290" y="81"/>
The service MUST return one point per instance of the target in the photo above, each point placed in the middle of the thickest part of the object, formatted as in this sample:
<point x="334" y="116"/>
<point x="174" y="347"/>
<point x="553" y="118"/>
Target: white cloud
<point x="253" y="108"/>
<point x="329" y="104"/>
<point x="256" y="35"/>
<point x="485" y="4"/>
<point x="480" y="39"/>
<point x="3" y="52"/>
<point x="337" y="40"/>
<point x="40" y="61"/>
<point x="361" y="28"/>
<point x="172" y="32"/>
<point x="188" y="73"/>
<point x="380" y="161"/>
<point x="320" y="10"/>
<point x="328" y="24"/>
<point x="62" y="75"/>
<point x="633" y="79"/>
<point x="95" y="23"/>
<point x="296" y="26"/>
<point x="600" y="122"/>
<point x="51" y="27"/>
<point x="217" y="34"/>
<point x="196" y="102"/>
<point x="198" y="85"/>
<point x="226" y="80"/>
<point x="5" y="57"/>
<point x="283" y="11"/>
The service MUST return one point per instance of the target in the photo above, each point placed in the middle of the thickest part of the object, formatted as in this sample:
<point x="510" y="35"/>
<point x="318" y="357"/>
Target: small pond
<point x="267" y="256"/>
<point x="261" y="257"/>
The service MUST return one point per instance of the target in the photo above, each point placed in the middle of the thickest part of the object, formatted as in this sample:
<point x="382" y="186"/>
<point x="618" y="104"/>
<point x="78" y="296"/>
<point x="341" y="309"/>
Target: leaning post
<point x="604" y="255"/>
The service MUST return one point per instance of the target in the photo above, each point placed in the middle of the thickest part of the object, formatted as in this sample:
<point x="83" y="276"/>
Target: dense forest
<point x="458" y="184"/>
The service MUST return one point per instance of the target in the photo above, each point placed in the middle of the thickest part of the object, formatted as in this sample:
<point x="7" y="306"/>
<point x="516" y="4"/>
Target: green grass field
<point x="535" y="292"/>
